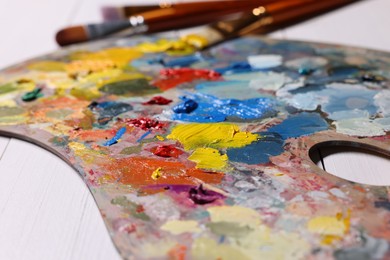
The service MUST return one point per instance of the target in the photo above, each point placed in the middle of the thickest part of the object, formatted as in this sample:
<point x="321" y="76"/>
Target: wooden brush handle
<point x="291" y="16"/>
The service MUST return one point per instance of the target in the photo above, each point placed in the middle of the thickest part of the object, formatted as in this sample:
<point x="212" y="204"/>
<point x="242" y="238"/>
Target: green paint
<point x="32" y="95"/>
<point x="10" y="111"/>
<point x="132" y="87"/>
<point x="131" y="150"/>
<point x="6" y="88"/>
<point x="230" y="229"/>
<point x="87" y="121"/>
<point x="132" y="208"/>
<point x="59" y="141"/>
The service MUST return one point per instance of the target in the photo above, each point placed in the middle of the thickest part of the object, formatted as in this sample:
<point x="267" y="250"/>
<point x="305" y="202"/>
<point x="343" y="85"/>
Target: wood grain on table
<point x="46" y="211"/>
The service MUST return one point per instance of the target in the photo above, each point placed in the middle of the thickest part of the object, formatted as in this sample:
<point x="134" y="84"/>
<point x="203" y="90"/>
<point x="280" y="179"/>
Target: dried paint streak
<point x="326" y="225"/>
<point x="137" y="171"/>
<point x="132" y="208"/>
<point x="170" y="78"/>
<point x="178" y="227"/>
<point x="208" y="158"/>
<point x="236" y="214"/>
<point x="166" y="151"/>
<point x="116" y="138"/>
<point x="270" y="144"/>
<point x="221" y="135"/>
<point x="87" y="155"/>
<point x="143" y="136"/>
<point x="300" y="125"/>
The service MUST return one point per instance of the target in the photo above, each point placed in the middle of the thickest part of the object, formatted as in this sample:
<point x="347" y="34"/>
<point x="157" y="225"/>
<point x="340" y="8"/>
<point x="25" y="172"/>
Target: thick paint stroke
<point x="221" y="135"/>
<point x="212" y="109"/>
<point x="137" y="171"/>
<point x="209" y="158"/>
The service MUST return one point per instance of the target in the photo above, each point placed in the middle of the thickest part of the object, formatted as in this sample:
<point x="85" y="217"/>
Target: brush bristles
<point x="71" y="35"/>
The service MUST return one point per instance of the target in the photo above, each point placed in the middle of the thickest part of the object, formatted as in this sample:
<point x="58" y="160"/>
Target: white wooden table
<point x="46" y="211"/>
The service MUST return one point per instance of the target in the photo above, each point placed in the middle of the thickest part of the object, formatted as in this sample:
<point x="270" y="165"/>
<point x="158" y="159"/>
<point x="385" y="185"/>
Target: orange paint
<point x="178" y="252"/>
<point x="92" y="135"/>
<point x="76" y="106"/>
<point x="138" y="171"/>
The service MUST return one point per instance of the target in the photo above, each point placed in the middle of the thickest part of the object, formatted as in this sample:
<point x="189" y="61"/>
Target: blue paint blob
<point x="211" y="109"/>
<point x="187" y="106"/>
<point x="300" y="125"/>
<point x="116" y="138"/>
<point x="305" y="71"/>
<point x="270" y="144"/>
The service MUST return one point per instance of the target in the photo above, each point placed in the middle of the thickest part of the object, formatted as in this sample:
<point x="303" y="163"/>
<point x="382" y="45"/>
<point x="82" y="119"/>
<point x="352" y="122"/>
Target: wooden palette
<point x="205" y="155"/>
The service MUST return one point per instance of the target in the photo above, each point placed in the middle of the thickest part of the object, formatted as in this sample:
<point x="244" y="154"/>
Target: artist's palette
<point x="205" y="155"/>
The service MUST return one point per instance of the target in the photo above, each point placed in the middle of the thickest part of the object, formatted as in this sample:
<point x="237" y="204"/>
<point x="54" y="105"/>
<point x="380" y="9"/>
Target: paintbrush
<point x="268" y="18"/>
<point x="261" y="19"/>
<point x="175" y="17"/>
<point x="273" y="21"/>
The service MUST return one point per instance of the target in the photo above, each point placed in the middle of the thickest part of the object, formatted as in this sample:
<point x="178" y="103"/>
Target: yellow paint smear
<point x="208" y="158"/>
<point x="87" y="66"/>
<point x="195" y="40"/>
<point x="221" y="135"/>
<point x="120" y="56"/>
<point x="7" y="103"/>
<point x="157" y="173"/>
<point x="47" y="66"/>
<point x="235" y="214"/>
<point x="326" y="225"/>
<point x="159" y="137"/>
<point x="177" y="227"/>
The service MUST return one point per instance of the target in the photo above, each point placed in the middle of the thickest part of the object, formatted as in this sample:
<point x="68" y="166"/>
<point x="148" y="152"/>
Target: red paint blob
<point x="158" y="100"/>
<point x="166" y="151"/>
<point x="145" y="123"/>
<point x="170" y="78"/>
